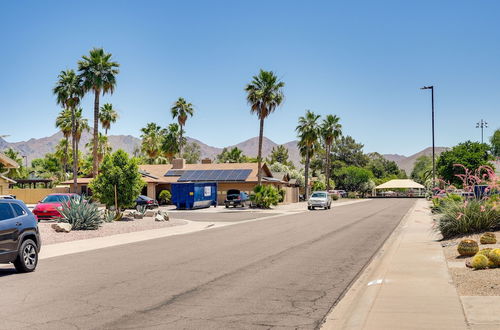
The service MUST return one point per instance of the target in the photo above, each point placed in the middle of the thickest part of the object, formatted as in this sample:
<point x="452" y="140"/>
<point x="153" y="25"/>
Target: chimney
<point x="178" y="163"/>
<point x="206" y="161"/>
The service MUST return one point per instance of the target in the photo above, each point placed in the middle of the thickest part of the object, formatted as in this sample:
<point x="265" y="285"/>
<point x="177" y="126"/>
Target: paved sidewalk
<point x="406" y="287"/>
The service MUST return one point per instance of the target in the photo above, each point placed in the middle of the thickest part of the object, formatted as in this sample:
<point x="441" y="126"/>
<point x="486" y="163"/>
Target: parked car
<point x="319" y="199"/>
<point x="48" y="208"/>
<point x="145" y="200"/>
<point x="237" y="198"/>
<point x="7" y="197"/>
<point x="19" y="236"/>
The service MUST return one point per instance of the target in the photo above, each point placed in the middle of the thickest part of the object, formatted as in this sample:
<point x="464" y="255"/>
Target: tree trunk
<point x="306" y="175"/>
<point x="327" y="170"/>
<point x="65" y="162"/>
<point x="75" y="150"/>
<point x="95" y="163"/>
<point x="259" y="154"/>
<point x="180" y="144"/>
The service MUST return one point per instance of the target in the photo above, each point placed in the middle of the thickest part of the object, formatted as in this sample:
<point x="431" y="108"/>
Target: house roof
<point x="156" y="173"/>
<point x="401" y="184"/>
<point x="283" y="176"/>
<point x="7" y="162"/>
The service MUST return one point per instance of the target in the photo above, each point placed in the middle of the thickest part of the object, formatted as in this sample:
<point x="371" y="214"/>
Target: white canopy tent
<point x="406" y="184"/>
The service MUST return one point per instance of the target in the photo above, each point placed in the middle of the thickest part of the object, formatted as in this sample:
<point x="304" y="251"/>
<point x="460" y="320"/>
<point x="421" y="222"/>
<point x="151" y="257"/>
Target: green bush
<point x="462" y="218"/>
<point x="282" y="193"/>
<point x="352" y="194"/>
<point x="165" y="197"/>
<point x="335" y="197"/>
<point x="81" y="214"/>
<point x="318" y="186"/>
<point x="265" y="196"/>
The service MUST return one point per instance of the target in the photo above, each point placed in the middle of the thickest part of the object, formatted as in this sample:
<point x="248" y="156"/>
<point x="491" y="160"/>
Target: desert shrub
<point x="264" y="196"/>
<point x="461" y="218"/>
<point x="352" y="194"/>
<point x="282" y="193"/>
<point x="165" y="196"/>
<point x="335" y="197"/>
<point x="81" y="214"/>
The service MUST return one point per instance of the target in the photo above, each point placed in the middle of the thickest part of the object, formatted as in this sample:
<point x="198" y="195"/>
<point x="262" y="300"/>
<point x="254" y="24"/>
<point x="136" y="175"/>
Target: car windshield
<point x="55" y="199"/>
<point x="318" y="195"/>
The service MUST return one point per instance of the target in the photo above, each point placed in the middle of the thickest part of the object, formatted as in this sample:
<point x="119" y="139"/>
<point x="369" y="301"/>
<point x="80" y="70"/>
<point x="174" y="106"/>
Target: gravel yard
<point x="49" y="236"/>
<point x="469" y="282"/>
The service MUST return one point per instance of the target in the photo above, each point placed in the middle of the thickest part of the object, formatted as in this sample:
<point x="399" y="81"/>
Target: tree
<point x="382" y="167"/>
<point x="15" y="173"/>
<point x="69" y="91"/>
<point x="98" y="74"/>
<point x="170" y="142"/>
<point x="192" y="153"/>
<point x="46" y="167"/>
<point x="472" y="155"/>
<point x="280" y="155"/>
<point x="181" y="110"/>
<point x="264" y="95"/>
<point x="330" y="131"/>
<point x="64" y="122"/>
<point x="422" y="170"/>
<point x="107" y="116"/>
<point x="152" y="136"/>
<point x="495" y="143"/>
<point x="103" y="147"/>
<point x="81" y="125"/>
<point x="119" y="180"/>
<point x="233" y="155"/>
<point x="308" y="133"/>
<point x="349" y="152"/>
<point x="62" y="154"/>
<point x="352" y="178"/>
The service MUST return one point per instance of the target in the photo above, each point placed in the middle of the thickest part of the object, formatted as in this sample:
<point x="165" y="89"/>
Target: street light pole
<point x="482" y="124"/>
<point x="433" y="144"/>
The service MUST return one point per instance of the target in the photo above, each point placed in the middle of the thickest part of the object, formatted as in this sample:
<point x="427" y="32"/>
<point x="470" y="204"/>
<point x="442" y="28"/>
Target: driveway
<point x="282" y="272"/>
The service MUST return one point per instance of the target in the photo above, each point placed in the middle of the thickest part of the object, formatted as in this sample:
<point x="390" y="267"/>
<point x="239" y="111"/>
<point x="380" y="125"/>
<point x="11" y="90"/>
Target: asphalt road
<point x="284" y="272"/>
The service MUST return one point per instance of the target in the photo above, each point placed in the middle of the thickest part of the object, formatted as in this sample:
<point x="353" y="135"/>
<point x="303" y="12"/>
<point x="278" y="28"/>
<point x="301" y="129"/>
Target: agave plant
<point x="81" y="214"/>
<point x="111" y="215"/>
<point x="142" y="209"/>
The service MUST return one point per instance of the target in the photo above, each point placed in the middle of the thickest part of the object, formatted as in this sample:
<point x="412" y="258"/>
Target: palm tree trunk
<point x="65" y="162"/>
<point x="95" y="163"/>
<point x="306" y="175"/>
<point x="180" y="143"/>
<point x="327" y="170"/>
<point x="259" y="154"/>
<point x="75" y="151"/>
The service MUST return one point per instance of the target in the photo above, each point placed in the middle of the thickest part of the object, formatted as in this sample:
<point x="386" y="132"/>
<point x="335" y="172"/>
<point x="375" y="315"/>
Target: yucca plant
<point x="81" y="214"/>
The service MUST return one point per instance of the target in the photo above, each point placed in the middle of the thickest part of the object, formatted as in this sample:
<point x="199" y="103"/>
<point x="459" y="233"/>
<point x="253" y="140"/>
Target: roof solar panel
<point x="175" y="173"/>
<point x="214" y="175"/>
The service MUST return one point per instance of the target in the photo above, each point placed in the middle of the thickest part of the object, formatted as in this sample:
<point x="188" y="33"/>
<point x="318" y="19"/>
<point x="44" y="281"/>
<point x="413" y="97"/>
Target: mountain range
<point x="37" y="148"/>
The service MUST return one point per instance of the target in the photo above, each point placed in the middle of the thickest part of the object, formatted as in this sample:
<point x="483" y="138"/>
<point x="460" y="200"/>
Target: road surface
<point x="285" y="272"/>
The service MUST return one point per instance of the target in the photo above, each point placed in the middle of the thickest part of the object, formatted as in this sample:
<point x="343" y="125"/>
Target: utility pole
<point x="433" y="144"/>
<point x="482" y="124"/>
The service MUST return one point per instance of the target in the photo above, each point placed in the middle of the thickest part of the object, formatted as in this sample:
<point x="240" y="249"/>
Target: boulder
<point x="138" y="215"/>
<point x="150" y="214"/>
<point x="159" y="217"/>
<point x="166" y="217"/>
<point x="62" y="227"/>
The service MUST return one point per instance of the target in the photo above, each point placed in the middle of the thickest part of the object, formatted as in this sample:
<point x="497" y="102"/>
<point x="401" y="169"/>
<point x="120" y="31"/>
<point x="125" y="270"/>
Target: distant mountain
<point x="407" y="163"/>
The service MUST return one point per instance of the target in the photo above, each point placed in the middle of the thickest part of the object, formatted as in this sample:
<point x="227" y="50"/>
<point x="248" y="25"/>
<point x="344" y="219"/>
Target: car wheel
<point x="227" y="206"/>
<point x="27" y="258"/>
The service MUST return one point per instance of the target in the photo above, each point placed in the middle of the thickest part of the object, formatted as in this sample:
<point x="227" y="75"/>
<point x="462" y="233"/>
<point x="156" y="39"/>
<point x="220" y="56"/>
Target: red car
<point x="49" y="207"/>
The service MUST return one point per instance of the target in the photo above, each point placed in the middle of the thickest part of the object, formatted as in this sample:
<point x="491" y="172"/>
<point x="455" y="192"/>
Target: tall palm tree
<point x="61" y="152"/>
<point x="64" y="121"/>
<point x="81" y="125"/>
<point x="151" y="141"/>
<point x="69" y="91"/>
<point x="330" y="131"/>
<point x="308" y="133"/>
<point x="181" y="110"/>
<point x="107" y="116"/>
<point x="98" y="73"/>
<point x="264" y="95"/>
<point x="170" y="145"/>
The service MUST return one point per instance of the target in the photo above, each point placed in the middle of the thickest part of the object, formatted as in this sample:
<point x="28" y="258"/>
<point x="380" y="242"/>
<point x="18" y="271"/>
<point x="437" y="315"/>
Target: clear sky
<point x="361" y="60"/>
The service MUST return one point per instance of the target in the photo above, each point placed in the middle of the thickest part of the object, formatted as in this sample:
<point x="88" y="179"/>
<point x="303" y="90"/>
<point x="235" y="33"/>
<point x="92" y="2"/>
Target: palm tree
<point x="107" y="116"/>
<point x="330" y="131"/>
<point x="170" y="144"/>
<point x="69" y="92"/>
<point x="264" y="95"/>
<point x="103" y="146"/>
<point x="61" y="152"/>
<point x="98" y="73"/>
<point x="64" y="122"/>
<point x="81" y="125"/>
<point x="181" y="110"/>
<point x="151" y="141"/>
<point x="308" y="133"/>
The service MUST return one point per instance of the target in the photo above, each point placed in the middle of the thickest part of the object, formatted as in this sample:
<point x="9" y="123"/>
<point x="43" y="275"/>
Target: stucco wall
<point x="33" y="196"/>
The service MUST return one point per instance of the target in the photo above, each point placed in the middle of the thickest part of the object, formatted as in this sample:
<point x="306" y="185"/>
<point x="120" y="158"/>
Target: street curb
<point x="349" y="307"/>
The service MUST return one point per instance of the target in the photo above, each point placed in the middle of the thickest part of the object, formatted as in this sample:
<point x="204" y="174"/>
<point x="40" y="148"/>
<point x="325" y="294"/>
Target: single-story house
<point x="4" y="181"/>
<point x="241" y="176"/>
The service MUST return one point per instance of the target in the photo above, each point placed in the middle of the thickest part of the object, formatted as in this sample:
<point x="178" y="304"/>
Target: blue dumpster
<point x="194" y="195"/>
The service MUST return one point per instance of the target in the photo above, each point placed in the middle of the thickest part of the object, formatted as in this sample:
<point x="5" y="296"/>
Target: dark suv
<point x="236" y="198"/>
<point x="19" y="236"/>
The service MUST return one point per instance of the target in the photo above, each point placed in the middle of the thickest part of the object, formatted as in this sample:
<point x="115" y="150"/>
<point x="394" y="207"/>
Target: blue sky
<point x="361" y="60"/>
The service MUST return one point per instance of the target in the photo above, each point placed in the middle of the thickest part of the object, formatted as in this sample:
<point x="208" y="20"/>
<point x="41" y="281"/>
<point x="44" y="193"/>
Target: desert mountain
<point x="407" y="163"/>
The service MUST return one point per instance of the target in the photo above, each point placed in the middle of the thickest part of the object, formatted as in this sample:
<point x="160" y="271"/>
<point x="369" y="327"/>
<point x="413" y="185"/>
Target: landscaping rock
<point x="138" y="215"/>
<point x="164" y="215"/>
<point x="159" y="217"/>
<point x="150" y="214"/>
<point x="62" y="227"/>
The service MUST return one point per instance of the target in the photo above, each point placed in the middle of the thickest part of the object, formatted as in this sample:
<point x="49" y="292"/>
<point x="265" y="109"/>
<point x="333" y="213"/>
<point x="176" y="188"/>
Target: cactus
<point x="485" y="252"/>
<point x="488" y="238"/>
<point x="468" y="247"/>
<point x="494" y="256"/>
<point x="479" y="261"/>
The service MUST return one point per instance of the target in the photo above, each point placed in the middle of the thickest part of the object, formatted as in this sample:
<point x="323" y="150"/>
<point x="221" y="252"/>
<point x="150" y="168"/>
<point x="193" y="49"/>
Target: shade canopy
<point x="400" y="184"/>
